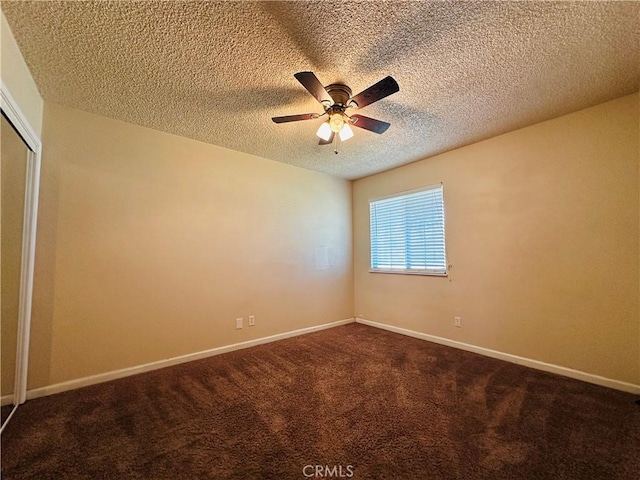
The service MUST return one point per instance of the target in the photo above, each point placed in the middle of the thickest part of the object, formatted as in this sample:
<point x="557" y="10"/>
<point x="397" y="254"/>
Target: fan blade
<point x="371" y="124"/>
<point x="327" y="142"/>
<point x="378" y="91"/>
<point x="313" y="86"/>
<point x="295" y="118"/>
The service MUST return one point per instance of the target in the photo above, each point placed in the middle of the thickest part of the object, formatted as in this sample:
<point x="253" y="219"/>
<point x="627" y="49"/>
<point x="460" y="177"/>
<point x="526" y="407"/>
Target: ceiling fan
<point x="336" y="99"/>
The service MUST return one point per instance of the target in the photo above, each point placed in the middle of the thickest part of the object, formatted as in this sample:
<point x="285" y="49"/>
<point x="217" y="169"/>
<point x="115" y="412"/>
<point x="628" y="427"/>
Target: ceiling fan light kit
<point x="336" y="99"/>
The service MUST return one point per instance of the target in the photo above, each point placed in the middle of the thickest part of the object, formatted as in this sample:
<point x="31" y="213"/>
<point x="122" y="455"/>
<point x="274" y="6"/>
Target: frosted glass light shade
<point x="346" y="133"/>
<point x="325" y="132"/>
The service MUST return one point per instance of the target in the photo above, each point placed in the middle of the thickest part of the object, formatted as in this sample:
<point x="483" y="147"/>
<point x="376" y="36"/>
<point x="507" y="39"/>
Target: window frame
<point x="405" y="271"/>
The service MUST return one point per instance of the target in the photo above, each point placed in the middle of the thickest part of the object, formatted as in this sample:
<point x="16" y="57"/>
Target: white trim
<point x="6" y="400"/>
<point x="10" y="108"/>
<point x="18" y="119"/>
<point x="126" y="372"/>
<point x="429" y="273"/>
<point x="527" y="362"/>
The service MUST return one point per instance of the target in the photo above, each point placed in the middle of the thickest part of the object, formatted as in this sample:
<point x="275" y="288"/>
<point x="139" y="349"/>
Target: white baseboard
<point x="527" y="362"/>
<point x="6" y="400"/>
<point x="126" y="372"/>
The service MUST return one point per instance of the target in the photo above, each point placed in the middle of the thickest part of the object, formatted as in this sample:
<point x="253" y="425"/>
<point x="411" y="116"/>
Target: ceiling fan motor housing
<point x="339" y="92"/>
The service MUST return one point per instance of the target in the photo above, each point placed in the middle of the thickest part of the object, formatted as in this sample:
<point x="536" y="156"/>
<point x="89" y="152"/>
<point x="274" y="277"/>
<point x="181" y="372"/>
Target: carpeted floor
<point x="5" y="412"/>
<point x="361" y="401"/>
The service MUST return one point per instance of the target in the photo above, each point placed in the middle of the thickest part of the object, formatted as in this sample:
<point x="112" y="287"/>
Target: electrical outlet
<point x="456" y="321"/>
<point x="238" y="323"/>
<point x="252" y="320"/>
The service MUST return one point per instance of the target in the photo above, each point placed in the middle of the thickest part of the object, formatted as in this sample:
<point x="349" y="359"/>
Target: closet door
<point x="13" y="180"/>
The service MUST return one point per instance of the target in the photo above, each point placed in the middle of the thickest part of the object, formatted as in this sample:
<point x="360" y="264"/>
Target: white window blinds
<point x="407" y="233"/>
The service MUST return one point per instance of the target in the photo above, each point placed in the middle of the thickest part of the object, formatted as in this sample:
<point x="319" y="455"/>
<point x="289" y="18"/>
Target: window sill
<point x="411" y="272"/>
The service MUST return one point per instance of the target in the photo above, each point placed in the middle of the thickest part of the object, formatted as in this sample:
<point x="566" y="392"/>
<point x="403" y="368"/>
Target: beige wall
<point x="13" y="156"/>
<point x="16" y="76"/>
<point x="138" y="230"/>
<point x="150" y="245"/>
<point x="542" y="232"/>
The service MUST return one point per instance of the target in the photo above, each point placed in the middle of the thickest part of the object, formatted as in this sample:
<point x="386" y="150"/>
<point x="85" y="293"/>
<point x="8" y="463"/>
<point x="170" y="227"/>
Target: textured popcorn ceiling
<point x="218" y="71"/>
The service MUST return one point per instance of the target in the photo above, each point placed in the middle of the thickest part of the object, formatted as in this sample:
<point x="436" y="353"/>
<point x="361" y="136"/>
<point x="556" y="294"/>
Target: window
<point x="407" y="233"/>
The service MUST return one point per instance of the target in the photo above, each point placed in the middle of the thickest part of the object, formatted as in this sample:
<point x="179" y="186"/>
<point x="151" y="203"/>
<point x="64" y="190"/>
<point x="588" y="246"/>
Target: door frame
<point x="16" y="117"/>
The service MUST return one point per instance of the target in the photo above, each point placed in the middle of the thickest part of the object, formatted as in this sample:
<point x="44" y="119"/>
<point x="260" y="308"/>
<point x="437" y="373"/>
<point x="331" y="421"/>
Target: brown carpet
<point x="5" y="412"/>
<point x="374" y="403"/>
